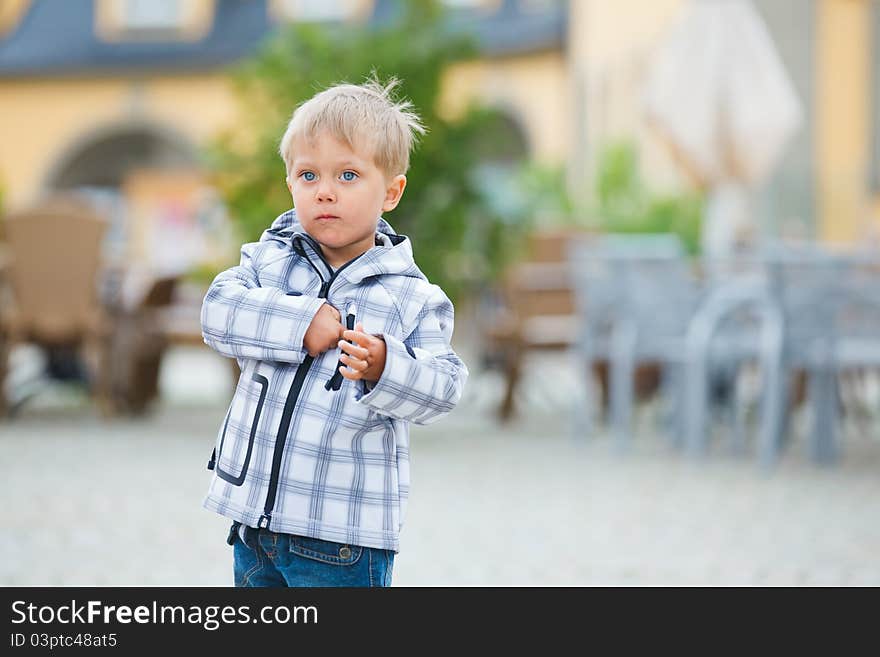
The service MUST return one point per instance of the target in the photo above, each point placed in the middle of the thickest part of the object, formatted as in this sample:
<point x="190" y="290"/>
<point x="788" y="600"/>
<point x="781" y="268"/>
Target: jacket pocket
<point x="336" y="554"/>
<point x="231" y="477"/>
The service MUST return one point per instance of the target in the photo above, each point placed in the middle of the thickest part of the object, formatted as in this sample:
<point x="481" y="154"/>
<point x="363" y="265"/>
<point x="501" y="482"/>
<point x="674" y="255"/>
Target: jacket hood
<point x="391" y="255"/>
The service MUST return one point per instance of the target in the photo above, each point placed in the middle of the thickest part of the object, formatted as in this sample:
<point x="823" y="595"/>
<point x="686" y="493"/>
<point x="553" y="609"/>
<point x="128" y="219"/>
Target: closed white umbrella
<point x="720" y="96"/>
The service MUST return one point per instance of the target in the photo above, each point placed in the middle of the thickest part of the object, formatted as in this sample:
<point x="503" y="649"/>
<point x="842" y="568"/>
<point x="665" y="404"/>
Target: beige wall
<point x="43" y="119"/>
<point x="842" y="105"/>
<point x="567" y="103"/>
<point x="533" y="89"/>
<point x="610" y="46"/>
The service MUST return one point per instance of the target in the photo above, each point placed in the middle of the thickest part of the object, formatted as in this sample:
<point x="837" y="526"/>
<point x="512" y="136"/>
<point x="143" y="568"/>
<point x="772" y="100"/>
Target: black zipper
<point x="295" y="387"/>
<point x="289" y="405"/>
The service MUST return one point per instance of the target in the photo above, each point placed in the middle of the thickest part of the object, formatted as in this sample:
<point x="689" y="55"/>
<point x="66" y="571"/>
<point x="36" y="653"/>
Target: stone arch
<point x="96" y="164"/>
<point x="508" y="140"/>
<point x="103" y="157"/>
<point x="502" y="148"/>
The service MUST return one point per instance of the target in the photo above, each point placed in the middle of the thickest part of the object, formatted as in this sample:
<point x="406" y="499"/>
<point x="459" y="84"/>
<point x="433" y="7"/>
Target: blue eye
<point x="308" y="176"/>
<point x="349" y="176"/>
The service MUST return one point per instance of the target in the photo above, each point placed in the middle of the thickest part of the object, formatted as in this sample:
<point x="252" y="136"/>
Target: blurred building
<point x="828" y="185"/>
<point x="118" y="96"/>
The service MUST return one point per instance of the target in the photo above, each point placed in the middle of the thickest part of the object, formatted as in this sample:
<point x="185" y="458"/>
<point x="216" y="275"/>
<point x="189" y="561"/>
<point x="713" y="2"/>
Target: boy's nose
<point x="325" y="194"/>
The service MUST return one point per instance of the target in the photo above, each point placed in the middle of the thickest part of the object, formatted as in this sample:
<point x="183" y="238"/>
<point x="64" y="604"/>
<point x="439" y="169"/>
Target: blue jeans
<point x="271" y="559"/>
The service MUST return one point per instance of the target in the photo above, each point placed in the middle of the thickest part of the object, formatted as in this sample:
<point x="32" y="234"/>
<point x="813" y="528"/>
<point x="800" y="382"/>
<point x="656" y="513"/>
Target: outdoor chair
<point x="805" y="281"/>
<point x="635" y="296"/>
<point x="52" y="275"/>
<point x="139" y="340"/>
<point x="827" y="309"/>
<point x="848" y="339"/>
<point x="738" y="323"/>
<point x="795" y="310"/>
<point x="857" y="346"/>
<point x="533" y="311"/>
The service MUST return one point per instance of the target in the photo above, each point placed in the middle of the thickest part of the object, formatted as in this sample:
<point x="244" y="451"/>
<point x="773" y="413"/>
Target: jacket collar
<point x="391" y="255"/>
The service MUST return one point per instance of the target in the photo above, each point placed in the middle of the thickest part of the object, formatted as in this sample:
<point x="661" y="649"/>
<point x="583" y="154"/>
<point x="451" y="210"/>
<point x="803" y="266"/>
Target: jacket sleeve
<point x="423" y="377"/>
<point x="241" y="319"/>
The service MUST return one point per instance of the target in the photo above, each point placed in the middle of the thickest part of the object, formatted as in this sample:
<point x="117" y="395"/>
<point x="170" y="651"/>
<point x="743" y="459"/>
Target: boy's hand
<point x="365" y="359"/>
<point x="324" y="331"/>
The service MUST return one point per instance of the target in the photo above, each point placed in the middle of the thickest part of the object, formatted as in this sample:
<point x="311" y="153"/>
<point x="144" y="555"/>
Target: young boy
<point x="342" y="342"/>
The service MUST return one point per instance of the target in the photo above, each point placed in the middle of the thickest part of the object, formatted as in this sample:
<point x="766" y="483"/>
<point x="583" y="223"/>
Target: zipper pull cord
<point x="335" y="381"/>
<point x="296" y="243"/>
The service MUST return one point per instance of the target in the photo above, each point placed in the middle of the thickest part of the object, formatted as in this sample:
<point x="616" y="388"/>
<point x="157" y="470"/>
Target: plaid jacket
<point x="291" y="455"/>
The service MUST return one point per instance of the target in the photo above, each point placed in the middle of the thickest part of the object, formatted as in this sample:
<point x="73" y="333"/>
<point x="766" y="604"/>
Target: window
<point x="471" y="4"/>
<point x="318" y="10"/>
<point x="538" y="5"/>
<point x="483" y="7"/>
<point x="153" y="20"/>
<point x="151" y="14"/>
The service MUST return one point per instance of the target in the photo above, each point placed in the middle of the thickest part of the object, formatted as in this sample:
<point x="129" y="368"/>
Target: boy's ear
<point x="393" y="193"/>
<point x="289" y="185"/>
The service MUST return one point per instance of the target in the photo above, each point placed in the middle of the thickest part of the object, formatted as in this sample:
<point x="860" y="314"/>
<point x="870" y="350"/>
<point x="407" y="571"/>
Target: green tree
<point x="459" y="241"/>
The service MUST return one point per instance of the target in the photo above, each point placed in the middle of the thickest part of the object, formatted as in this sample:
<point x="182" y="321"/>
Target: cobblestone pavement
<point x="91" y="502"/>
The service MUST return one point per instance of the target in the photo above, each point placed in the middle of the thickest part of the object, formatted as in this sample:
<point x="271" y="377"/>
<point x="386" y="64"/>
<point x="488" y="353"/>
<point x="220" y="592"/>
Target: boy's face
<point x="339" y="193"/>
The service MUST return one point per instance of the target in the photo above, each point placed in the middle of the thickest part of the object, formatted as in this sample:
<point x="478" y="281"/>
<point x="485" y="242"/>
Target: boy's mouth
<point x="326" y="216"/>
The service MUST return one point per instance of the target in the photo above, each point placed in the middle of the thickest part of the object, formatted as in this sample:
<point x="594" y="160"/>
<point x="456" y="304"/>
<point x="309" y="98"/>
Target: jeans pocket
<point x="381" y="566"/>
<point x="336" y="554"/>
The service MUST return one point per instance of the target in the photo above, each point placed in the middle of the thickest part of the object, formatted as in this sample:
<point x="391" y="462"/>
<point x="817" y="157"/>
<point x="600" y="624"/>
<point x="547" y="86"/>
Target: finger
<point x="350" y="374"/>
<point x="359" y="328"/>
<point x="354" y="350"/>
<point x="361" y="339"/>
<point x="354" y="363"/>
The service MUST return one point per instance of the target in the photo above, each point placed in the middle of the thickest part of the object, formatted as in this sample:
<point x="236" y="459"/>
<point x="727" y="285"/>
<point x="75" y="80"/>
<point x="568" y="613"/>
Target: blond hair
<point x="365" y="116"/>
